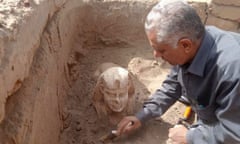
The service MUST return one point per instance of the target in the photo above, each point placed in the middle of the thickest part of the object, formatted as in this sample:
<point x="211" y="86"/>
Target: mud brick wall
<point x="225" y="14"/>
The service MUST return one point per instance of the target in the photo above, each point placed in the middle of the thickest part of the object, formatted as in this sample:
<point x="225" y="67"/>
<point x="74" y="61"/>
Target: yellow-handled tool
<point x="186" y="116"/>
<point x="187" y="113"/>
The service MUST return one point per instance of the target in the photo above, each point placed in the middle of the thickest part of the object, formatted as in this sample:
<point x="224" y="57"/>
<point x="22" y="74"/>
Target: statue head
<point x="115" y="84"/>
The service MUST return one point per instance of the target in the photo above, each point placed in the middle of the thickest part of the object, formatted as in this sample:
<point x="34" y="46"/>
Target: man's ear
<point x="186" y="44"/>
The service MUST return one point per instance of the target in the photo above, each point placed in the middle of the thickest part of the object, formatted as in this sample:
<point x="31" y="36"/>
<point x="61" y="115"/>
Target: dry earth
<point x="81" y="124"/>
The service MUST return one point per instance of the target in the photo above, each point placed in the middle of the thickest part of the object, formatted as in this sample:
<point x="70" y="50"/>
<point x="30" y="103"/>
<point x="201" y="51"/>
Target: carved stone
<point x="113" y="95"/>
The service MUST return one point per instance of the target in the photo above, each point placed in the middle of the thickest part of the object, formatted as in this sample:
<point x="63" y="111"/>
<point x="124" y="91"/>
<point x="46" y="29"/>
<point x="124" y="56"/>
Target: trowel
<point x="112" y="135"/>
<point x="108" y="138"/>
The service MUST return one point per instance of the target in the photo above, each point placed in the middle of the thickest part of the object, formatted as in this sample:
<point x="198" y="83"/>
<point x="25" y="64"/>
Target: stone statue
<point x="113" y="95"/>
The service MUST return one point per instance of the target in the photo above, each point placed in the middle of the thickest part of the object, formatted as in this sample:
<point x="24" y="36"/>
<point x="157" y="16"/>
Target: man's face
<point x="173" y="55"/>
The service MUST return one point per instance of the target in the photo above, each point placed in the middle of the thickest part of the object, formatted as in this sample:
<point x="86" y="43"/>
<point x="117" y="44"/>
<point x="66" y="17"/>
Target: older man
<point x="206" y="69"/>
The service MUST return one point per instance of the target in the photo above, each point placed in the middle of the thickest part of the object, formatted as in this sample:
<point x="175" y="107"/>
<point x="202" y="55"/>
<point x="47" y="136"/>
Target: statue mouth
<point x="117" y="108"/>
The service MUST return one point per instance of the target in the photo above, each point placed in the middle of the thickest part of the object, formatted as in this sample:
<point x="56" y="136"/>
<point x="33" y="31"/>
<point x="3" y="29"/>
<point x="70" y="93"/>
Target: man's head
<point x="174" y="30"/>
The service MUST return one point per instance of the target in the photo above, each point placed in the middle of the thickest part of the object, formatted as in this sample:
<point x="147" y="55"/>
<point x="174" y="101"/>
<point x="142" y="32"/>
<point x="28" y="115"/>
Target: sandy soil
<point x="81" y="124"/>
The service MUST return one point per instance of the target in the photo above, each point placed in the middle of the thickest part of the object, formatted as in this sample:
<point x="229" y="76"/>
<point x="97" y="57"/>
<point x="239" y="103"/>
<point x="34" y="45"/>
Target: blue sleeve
<point x="162" y="99"/>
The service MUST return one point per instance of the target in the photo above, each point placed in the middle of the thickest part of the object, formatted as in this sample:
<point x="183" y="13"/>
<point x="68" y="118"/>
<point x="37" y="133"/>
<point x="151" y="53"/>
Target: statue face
<point x="115" y="88"/>
<point x="116" y="99"/>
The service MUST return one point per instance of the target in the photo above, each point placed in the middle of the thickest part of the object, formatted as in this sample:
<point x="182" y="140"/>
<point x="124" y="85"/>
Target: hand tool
<point x="186" y="116"/>
<point x="110" y="137"/>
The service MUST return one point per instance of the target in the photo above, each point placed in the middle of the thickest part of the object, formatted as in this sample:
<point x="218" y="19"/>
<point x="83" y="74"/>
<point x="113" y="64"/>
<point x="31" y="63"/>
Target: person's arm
<point x="159" y="102"/>
<point x="162" y="99"/>
<point x="227" y="129"/>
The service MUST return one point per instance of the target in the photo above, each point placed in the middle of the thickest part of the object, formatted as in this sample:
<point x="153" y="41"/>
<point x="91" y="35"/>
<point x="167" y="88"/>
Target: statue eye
<point x="109" y="94"/>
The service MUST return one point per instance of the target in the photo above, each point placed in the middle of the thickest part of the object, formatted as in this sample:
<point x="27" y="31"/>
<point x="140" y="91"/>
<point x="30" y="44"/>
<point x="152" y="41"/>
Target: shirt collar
<point x="198" y="64"/>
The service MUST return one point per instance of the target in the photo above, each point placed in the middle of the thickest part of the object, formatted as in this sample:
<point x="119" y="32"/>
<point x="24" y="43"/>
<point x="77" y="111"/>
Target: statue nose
<point x="117" y="97"/>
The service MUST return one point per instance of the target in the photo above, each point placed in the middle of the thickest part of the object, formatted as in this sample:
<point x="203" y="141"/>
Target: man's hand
<point x="177" y="134"/>
<point x="128" y="124"/>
